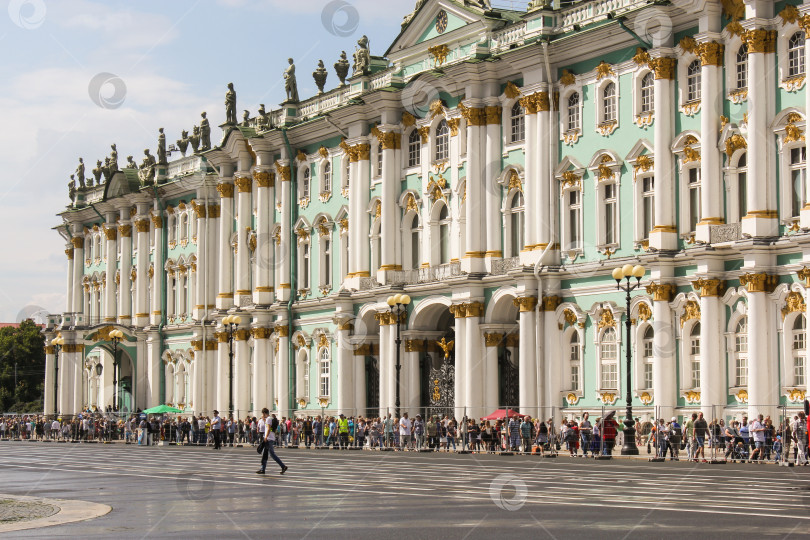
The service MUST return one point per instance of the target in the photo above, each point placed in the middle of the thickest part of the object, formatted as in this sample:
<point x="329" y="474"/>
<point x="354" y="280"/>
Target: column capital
<point x="210" y="345"/>
<point x="537" y="102"/>
<point x="225" y="190"/>
<point x="142" y="225"/>
<point x="804" y="24"/>
<point x="663" y="67"/>
<point x="804" y="273"/>
<point x="709" y="287"/>
<point x="493" y="339"/>
<point x="525" y="303"/>
<point x="760" y="40"/>
<point x="661" y="292"/>
<point x="390" y="140"/>
<point x="110" y="232"/>
<point x="157" y="221"/>
<point x="283" y="331"/>
<point x="243" y="183"/>
<point x="264" y="179"/>
<point x="283" y="172"/>
<point x="125" y="230"/>
<point x="242" y="334"/>
<point x="78" y="242"/>
<point x="711" y="53"/>
<point x="551" y="303"/>
<point x="761" y="282"/>
<point x="473" y="115"/>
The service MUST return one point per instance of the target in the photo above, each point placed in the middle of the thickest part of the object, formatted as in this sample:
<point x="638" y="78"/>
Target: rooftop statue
<point x="362" y="57"/>
<point x="320" y="75"/>
<point x="107" y="169"/>
<point x="182" y="142"/>
<point x="246" y="118"/>
<point x="262" y="119"/>
<point x="161" y="149"/>
<point x="80" y="172"/>
<point x="539" y="4"/>
<point x="290" y="84"/>
<point x="131" y="163"/>
<point x="97" y="172"/>
<point x="194" y="139"/>
<point x="205" y="133"/>
<point x="409" y="18"/>
<point x="113" y="159"/>
<point x="230" y="105"/>
<point x="146" y="173"/>
<point x="72" y="190"/>
<point x="342" y="68"/>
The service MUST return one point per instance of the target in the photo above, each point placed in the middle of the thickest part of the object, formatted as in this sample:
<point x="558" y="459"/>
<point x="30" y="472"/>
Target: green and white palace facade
<point x="495" y="165"/>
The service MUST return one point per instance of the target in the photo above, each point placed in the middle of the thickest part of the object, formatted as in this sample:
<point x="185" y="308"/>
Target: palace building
<point x="495" y="165"/>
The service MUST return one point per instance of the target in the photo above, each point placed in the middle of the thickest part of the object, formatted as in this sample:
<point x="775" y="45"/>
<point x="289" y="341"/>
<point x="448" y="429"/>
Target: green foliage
<point x="25" y="347"/>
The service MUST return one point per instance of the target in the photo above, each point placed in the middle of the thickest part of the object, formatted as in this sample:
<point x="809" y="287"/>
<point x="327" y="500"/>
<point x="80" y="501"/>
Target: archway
<point x="432" y="329"/>
<point x="503" y="326"/>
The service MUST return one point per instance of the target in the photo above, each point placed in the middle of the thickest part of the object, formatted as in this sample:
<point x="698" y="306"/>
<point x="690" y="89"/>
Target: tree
<point x="22" y="348"/>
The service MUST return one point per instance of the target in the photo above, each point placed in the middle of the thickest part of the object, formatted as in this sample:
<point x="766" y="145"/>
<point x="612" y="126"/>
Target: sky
<point x="78" y="75"/>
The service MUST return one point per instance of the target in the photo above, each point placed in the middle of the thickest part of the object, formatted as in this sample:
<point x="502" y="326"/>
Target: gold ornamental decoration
<point x="642" y="57"/>
<point x="734" y="143"/>
<point x="551" y="303"/>
<point x="793" y="303"/>
<point x="525" y="303"/>
<point x="408" y="119"/>
<point x="644" y="312"/>
<point x="688" y="44"/>
<point x="511" y="91"/>
<point x="734" y="9"/>
<point x="424" y="133"/>
<point x="570" y="179"/>
<point x="125" y="231"/>
<point x="789" y="15"/>
<point x="492" y="340"/>
<point x="283" y="331"/>
<point x="796" y="395"/>
<point x="645" y="398"/>
<point x="690" y="311"/>
<point x="663" y="67"/>
<point x="711" y="53"/>
<point x="452" y="124"/>
<point x="514" y="181"/>
<point x="410" y="203"/>
<point x="493" y="115"/>
<point x="243" y="184"/>
<point x="692" y="397"/>
<point x="570" y="317"/>
<point x="323" y="152"/>
<point x="225" y="190"/>
<point x="661" y="292"/>
<point x="760" y="41"/>
<point x="709" y="287"/>
<point x="437" y="108"/>
<point x="78" y="242"/>
<point x="804" y="274"/>
<point x="283" y="171"/>
<point x="474" y="116"/>
<point x="439" y="53"/>
<point x="761" y="282"/>
<point x="110" y="233"/>
<point x="567" y="78"/>
<point x="604" y="70"/>
<point x="606" y="319"/>
<point x="263" y="179"/>
<point x="446" y="346"/>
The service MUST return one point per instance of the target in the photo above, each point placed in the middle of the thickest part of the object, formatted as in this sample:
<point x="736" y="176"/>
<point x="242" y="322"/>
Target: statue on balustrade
<point x="362" y="57"/>
<point x="290" y="84"/>
<point x="205" y="133"/>
<point x="230" y="105"/>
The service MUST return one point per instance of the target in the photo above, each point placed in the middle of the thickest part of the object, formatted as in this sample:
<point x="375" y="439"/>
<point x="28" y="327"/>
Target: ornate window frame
<point x="570" y="135"/>
<point x="641" y="118"/>
<point x="735" y="93"/>
<point x="791" y="83"/>
<point x="569" y="175"/>
<point x="605" y="168"/>
<point x="789" y="127"/>
<point x="641" y="159"/>
<point x="687" y="107"/>
<point x="687" y="149"/>
<point x="605" y="124"/>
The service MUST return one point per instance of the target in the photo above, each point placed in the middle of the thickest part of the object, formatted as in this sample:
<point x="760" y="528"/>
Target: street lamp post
<point x="57" y="343"/>
<point x="398" y="304"/>
<point x="115" y="336"/>
<point x="230" y="322"/>
<point x="626" y="272"/>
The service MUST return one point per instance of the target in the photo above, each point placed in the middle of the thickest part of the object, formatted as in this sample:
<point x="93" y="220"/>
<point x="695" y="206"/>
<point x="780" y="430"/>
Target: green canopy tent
<point x="160" y="409"/>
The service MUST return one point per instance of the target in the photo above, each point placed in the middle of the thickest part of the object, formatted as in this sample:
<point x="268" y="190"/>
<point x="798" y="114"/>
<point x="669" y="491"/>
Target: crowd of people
<point x="760" y="440"/>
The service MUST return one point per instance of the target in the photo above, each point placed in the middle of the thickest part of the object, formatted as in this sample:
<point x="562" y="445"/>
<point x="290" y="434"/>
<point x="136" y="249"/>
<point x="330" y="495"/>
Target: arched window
<point x="741" y="353"/>
<point x="327" y="177"/>
<point x="303" y="263"/>
<point x="379" y="159"/>
<point x="647" y="93"/>
<point x="609" y="356"/>
<point x="573" y="112"/>
<point x="647" y="358"/>
<point x="742" y="67"/>
<point x="799" y="347"/>
<point x="415" y="242"/>
<point x="798" y="183"/>
<point x="694" y="355"/>
<point x="574" y="359"/>
<point x="414" y="149"/>
<point x="742" y="185"/>
<point x="693" y="81"/>
<point x="305" y="183"/>
<point x="444" y="235"/>
<point x="609" y="102"/>
<point x="518" y="121"/>
<point x="796" y="54"/>
<point x="516" y="218"/>
<point x="323" y="370"/>
<point x="442" y="141"/>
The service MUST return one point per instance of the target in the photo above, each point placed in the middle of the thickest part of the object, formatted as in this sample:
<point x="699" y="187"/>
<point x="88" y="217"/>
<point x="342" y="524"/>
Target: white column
<point x="207" y="258"/>
<point x="461" y="360"/>
<point x="805" y="214"/>
<point x="712" y="373"/>
<point x="358" y="222"/>
<point x="473" y="259"/>
<point x="158" y="280"/>
<point x="386" y="371"/>
<point x="711" y="181"/>
<point x="263" y="281"/>
<point x="527" y="366"/>
<point x="283" y="288"/>
<point x="550" y="361"/>
<point x="545" y="218"/>
<point x="359" y="370"/>
<point x="665" y="389"/>
<point x="69" y="287"/>
<point x="344" y="360"/>
<point x="262" y="375"/>
<point x="492" y="341"/>
<point x="389" y="238"/>
<point x="241" y="373"/>
<point x="125" y="287"/>
<point x="762" y="218"/>
<point x="283" y="371"/>
<point x="78" y="270"/>
<point x="664" y="234"/>
<point x="65" y="387"/>
<point x="244" y="185"/>
<point x="492" y="190"/>
<point x="154" y="365"/>
<point x="530" y="186"/>
<point x="49" y="378"/>
<point x="225" y="296"/>
<point x="108" y="314"/>
<point x="763" y="389"/>
<point x="222" y="372"/>
<point x="475" y="363"/>
<point x="410" y="372"/>
<point x="78" y="387"/>
<point x="141" y="316"/>
<point x="199" y="308"/>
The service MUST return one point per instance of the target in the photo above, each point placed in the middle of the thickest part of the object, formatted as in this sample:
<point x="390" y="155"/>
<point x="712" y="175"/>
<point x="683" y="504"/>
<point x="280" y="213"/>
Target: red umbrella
<point x="501" y="414"/>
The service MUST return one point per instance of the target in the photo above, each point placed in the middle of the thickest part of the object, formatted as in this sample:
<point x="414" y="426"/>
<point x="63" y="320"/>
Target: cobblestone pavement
<point x="196" y="492"/>
<point x="13" y="511"/>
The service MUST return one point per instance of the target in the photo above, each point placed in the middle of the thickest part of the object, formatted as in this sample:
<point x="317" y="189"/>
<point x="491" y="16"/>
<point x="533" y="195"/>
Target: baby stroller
<point x="738" y="451"/>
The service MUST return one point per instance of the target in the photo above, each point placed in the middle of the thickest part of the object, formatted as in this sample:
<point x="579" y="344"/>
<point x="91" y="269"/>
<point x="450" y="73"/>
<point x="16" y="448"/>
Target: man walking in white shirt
<point x="269" y="441"/>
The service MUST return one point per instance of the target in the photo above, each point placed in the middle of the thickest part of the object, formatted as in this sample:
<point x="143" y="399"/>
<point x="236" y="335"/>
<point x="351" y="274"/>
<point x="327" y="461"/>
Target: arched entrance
<point x="107" y="386"/>
<point x="503" y="341"/>
<point x="432" y="330"/>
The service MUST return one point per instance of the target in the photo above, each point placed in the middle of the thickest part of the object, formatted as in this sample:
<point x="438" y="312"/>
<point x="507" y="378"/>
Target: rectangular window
<point x="694" y="198"/>
<point x="798" y="371"/>
<point x="741" y="371"/>
<point x="648" y="376"/>
<point x="574" y="210"/>
<point x="575" y="366"/>
<point x="648" y="206"/>
<point x="325" y="378"/>
<point x="610" y="213"/>
<point x="610" y="377"/>
<point x="798" y="185"/>
<point x="414" y="150"/>
<point x="326" y="271"/>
